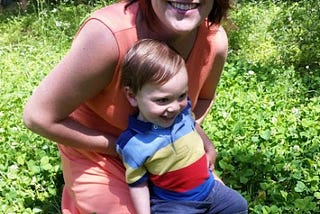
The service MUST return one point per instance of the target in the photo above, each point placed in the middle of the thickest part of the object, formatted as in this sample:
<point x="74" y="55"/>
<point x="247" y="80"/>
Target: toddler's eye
<point x="162" y="100"/>
<point x="183" y="96"/>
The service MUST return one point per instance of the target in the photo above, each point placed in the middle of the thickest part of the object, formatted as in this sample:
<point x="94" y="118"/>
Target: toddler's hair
<point x="149" y="61"/>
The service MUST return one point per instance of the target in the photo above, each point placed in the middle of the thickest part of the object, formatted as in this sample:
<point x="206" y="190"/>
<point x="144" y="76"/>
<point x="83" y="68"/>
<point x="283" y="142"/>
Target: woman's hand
<point x="208" y="146"/>
<point x="210" y="151"/>
<point x="211" y="160"/>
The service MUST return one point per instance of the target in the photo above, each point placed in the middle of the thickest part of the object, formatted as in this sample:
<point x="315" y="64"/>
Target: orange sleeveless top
<point x="109" y="110"/>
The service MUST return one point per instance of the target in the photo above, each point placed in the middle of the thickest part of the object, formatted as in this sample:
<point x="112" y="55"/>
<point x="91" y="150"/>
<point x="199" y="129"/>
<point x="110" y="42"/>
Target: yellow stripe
<point x="132" y="175"/>
<point x="178" y="155"/>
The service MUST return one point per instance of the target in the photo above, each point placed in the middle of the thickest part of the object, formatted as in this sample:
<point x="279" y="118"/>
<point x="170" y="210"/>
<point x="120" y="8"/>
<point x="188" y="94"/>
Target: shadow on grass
<point x="51" y="205"/>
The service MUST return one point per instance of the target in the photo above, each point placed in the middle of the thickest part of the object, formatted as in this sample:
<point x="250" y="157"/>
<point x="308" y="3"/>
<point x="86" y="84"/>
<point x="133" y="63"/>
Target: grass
<point x="31" y="44"/>
<point x="265" y="121"/>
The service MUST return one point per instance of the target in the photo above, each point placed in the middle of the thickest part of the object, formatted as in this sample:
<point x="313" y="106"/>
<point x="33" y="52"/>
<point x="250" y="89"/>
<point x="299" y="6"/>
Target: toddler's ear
<point x="130" y="96"/>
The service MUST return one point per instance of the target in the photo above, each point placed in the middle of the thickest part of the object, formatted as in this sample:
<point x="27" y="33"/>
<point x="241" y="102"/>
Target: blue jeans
<point x="222" y="200"/>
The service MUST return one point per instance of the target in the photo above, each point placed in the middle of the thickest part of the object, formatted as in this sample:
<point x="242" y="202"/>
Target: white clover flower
<point x="294" y="111"/>
<point x="13" y="167"/>
<point x="296" y="148"/>
<point x="14" y="129"/>
<point x="59" y="24"/>
<point x="251" y="72"/>
<point x="271" y="103"/>
<point x="287" y="166"/>
<point x="225" y="114"/>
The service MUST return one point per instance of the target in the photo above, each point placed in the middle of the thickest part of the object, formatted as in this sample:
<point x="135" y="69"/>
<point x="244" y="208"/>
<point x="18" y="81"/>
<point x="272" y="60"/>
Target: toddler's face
<point x="160" y="104"/>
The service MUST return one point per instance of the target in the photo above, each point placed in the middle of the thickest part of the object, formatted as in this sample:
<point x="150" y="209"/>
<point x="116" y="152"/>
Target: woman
<point x="81" y="106"/>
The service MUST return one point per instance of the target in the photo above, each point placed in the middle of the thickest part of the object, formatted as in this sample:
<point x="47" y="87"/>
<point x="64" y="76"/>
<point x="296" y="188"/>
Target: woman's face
<point x="181" y="16"/>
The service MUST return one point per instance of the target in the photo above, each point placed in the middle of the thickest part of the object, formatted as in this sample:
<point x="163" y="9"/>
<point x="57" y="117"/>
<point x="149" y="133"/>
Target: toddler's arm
<point x="141" y="198"/>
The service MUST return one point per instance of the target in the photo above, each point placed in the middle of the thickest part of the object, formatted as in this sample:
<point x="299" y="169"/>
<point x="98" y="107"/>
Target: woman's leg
<point x="93" y="184"/>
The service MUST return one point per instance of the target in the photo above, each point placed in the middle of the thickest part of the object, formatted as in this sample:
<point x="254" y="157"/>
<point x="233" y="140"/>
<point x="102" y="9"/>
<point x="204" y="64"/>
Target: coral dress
<point x="94" y="182"/>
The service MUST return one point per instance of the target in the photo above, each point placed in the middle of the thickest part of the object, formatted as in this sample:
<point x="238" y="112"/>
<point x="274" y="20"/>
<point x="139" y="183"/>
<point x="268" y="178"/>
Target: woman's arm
<point x="208" y="90"/>
<point x="141" y="198"/>
<point x="207" y="94"/>
<point x="85" y="70"/>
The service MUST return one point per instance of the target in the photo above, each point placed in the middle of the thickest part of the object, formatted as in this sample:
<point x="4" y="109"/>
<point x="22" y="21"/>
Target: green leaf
<point x="37" y="210"/>
<point x="317" y="195"/>
<point x="266" y="134"/>
<point x="305" y="204"/>
<point x="44" y="163"/>
<point x="284" y="194"/>
<point x="255" y="139"/>
<point x="226" y="166"/>
<point x="300" y="187"/>
<point x="21" y="159"/>
<point x="33" y="167"/>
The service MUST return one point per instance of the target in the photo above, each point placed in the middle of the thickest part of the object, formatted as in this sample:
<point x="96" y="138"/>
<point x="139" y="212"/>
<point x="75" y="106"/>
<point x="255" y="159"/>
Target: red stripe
<point x="183" y="179"/>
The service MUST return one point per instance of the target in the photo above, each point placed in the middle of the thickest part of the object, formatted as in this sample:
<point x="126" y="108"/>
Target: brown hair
<point x="217" y="13"/>
<point x="149" y="61"/>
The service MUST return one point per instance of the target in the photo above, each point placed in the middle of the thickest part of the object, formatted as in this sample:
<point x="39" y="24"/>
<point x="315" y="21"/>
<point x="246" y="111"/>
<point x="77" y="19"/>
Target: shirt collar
<point x="138" y="125"/>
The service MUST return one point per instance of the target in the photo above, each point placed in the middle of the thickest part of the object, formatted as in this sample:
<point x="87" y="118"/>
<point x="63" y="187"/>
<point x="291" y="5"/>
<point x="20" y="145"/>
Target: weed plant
<point x="265" y="121"/>
<point x="31" y="43"/>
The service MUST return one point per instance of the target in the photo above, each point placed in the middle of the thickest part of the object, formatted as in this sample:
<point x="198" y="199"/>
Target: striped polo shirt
<point x="171" y="159"/>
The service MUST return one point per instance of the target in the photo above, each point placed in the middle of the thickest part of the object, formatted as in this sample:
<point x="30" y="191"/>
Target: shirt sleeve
<point x="136" y="172"/>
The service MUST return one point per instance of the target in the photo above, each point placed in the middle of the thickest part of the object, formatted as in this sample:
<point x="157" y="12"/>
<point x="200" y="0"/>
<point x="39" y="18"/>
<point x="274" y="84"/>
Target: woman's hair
<point x="149" y="61"/>
<point x="218" y="12"/>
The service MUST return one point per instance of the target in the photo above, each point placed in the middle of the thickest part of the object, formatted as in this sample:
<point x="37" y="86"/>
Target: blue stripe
<point x="125" y="137"/>
<point x="140" y="181"/>
<point x="140" y="148"/>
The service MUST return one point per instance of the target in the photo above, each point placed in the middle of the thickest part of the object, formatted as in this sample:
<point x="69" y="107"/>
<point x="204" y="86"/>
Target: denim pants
<point x="221" y="200"/>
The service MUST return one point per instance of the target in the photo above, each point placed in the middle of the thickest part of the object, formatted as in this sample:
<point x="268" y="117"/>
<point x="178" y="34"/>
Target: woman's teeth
<point x="183" y="6"/>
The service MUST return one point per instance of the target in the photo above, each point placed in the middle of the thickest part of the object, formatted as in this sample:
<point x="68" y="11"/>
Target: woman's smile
<point x="180" y="17"/>
<point x="183" y="6"/>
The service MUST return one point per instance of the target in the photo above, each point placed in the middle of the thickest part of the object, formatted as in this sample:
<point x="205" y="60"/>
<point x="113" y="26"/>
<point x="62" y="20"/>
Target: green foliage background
<point x="265" y="121"/>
